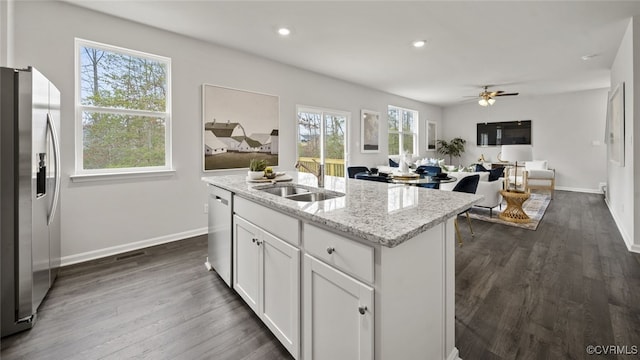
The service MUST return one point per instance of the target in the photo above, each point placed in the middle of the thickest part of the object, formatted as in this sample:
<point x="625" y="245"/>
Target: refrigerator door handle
<point x="56" y="156"/>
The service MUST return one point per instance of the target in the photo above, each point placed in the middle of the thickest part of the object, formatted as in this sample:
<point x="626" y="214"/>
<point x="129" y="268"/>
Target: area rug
<point x="534" y="207"/>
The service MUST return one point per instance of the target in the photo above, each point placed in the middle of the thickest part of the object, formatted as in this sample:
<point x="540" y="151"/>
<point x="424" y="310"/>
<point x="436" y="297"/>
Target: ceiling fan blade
<point x="507" y="94"/>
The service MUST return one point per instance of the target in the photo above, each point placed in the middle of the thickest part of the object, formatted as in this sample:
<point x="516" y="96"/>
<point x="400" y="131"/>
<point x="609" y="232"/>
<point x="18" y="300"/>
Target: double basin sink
<point x="297" y="192"/>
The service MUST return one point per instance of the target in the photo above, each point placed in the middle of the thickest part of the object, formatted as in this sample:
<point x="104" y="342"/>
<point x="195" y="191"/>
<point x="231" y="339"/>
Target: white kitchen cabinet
<point x="267" y="277"/>
<point x="338" y="314"/>
<point x="246" y="272"/>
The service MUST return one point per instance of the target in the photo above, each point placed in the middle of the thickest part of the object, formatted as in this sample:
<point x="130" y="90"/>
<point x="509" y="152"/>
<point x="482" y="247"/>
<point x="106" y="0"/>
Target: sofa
<point x="489" y="189"/>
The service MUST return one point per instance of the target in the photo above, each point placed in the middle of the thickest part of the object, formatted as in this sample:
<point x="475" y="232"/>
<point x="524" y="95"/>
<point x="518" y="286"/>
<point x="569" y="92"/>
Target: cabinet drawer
<point x="278" y="224"/>
<point x="345" y="254"/>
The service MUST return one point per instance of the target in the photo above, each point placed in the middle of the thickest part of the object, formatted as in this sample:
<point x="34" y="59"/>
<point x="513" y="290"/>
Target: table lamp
<point x="515" y="153"/>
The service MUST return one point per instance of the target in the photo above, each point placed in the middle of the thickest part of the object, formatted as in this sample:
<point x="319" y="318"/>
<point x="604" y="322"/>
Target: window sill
<point x="79" y="178"/>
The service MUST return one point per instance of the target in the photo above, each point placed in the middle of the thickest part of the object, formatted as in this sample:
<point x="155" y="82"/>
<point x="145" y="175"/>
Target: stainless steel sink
<point x="297" y="192"/>
<point x="314" y="196"/>
<point x="284" y="190"/>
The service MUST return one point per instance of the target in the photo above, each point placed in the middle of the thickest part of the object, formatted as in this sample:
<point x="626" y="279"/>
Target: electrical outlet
<point x="206" y="208"/>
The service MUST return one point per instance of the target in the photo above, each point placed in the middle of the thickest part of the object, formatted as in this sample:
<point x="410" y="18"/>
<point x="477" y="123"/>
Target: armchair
<point x="515" y="178"/>
<point x="539" y="176"/>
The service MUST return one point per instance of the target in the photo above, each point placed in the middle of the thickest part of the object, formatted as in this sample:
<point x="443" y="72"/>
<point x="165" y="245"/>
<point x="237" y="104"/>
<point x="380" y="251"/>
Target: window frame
<point x="402" y="132"/>
<point x="98" y="174"/>
<point x="326" y="111"/>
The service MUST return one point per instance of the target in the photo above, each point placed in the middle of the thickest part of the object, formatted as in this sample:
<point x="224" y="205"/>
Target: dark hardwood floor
<point x="520" y="294"/>
<point x="158" y="303"/>
<point x="549" y="293"/>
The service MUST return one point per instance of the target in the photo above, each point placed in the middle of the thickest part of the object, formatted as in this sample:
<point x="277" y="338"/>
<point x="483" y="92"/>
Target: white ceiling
<point x="531" y="47"/>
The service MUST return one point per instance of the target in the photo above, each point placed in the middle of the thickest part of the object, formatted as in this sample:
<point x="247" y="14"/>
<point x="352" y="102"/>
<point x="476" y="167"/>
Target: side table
<point x="514" y="212"/>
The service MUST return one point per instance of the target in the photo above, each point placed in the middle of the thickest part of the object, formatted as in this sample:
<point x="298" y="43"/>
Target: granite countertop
<point x="386" y="214"/>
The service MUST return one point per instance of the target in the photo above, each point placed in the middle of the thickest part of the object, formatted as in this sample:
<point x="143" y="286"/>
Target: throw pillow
<point x="496" y="173"/>
<point x="480" y="167"/>
<point x="393" y="163"/>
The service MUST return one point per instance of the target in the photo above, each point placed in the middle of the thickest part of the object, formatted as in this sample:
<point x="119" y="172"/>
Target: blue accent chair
<point x="468" y="185"/>
<point x="426" y="170"/>
<point x="353" y="170"/>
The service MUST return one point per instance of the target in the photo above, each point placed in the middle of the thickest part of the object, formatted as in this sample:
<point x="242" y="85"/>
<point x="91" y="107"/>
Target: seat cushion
<point x="540" y="174"/>
<point x="536" y="165"/>
<point x="539" y="182"/>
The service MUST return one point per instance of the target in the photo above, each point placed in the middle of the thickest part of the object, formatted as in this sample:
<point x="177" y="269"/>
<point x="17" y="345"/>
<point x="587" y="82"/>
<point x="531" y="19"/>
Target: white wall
<point x="6" y="32"/>
<point x="566" y="129"/>
<point x="99" y="218"/>
<point x="623" y="206"/>
<point x="633" y="131"/>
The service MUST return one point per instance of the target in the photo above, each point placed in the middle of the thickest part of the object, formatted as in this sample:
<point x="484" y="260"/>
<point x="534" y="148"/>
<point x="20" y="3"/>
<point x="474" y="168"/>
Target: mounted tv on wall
<point x="504" y="133"/>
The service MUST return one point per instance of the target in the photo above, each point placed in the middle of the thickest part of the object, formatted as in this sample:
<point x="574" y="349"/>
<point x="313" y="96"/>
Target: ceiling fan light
<point x="491" y="101"/>
<point x="483" y="102"/>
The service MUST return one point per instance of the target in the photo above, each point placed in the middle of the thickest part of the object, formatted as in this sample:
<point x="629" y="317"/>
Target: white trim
<point x="120" y="176"/>
<point x="100" y="253"/>
<point x="80" y="108"/>
<point x="454" y="355"/>
<point x="628" y="241"/>
<point x="129" y="112"/>
<point x="401" y="131"/>
<point x="582" y="190"/>
<point x="322" y="112"/>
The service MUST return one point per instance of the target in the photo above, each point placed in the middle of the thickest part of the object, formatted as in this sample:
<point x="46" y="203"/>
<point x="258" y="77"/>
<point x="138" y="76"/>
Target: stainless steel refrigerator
<point x="30" y="194"/>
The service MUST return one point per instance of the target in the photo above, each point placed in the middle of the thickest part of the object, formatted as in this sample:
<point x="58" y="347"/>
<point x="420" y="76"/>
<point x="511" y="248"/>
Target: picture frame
<point x="238" y="126"/>
<point x="432" y="135"/>
<point x="369" y="131"/>
<point x="615" y="126"/>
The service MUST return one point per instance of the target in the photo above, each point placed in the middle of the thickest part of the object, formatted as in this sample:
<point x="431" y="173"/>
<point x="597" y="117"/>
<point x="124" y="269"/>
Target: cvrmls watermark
<point x="612" y="350"/>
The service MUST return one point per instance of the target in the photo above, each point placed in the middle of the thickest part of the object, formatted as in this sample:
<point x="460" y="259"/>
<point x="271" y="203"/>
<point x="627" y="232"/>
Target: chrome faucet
<point x="319" y="174"/>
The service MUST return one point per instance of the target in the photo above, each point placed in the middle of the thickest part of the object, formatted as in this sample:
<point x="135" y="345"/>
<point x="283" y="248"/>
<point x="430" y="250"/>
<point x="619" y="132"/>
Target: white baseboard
<point x="100" y="253"/>
<point x="627" y="239"/>
<point x="454" y="354"/>
<point x="582" y="190"/>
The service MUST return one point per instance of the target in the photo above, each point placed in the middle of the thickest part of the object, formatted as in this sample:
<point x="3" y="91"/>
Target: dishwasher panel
<point x="220" y="239"/>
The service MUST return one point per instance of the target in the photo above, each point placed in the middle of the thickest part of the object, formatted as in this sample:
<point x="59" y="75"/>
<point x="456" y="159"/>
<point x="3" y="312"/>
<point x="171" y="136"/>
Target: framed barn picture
<point x="238" y="126"/>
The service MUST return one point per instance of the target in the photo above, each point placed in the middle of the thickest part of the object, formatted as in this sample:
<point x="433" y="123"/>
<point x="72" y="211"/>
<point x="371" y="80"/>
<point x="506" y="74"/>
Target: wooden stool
<point x="514" y="212"/>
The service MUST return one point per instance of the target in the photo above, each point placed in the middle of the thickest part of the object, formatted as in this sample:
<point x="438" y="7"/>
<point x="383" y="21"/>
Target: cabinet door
<point x="280" y="292"/>
<point x="338" y="314"/>
<point x="247" y="261"/>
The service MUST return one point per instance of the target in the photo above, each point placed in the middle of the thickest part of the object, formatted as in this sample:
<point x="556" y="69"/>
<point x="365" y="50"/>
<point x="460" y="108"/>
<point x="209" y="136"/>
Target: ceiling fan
<point x="488" y="97"/>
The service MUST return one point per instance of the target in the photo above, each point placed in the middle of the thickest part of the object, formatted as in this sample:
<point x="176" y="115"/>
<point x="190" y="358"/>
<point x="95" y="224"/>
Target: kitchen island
<point x="367" y="275"/>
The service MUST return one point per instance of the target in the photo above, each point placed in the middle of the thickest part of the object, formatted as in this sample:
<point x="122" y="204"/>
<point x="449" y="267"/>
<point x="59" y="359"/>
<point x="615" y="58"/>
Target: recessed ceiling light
<point x="419" y="43"/>
<point x="284" y="31"/>
<point x="588" y="57"/>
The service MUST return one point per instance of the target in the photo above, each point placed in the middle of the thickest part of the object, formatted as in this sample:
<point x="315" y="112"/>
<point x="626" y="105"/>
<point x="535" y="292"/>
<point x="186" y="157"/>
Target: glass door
<point x="322" y="138"/>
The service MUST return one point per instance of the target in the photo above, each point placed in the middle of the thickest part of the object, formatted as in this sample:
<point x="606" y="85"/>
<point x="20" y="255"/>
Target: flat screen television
<point x="504" y="133"/>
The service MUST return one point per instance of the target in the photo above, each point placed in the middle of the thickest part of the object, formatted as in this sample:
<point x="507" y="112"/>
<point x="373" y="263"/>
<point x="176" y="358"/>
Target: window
<point x="403" y="131"/>
<point x="322" y="139"/>
<point x="123" y="116"/>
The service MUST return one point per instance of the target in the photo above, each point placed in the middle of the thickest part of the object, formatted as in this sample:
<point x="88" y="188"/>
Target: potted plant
<point x="453" y="148"/>
<point x="256" y="169"/>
